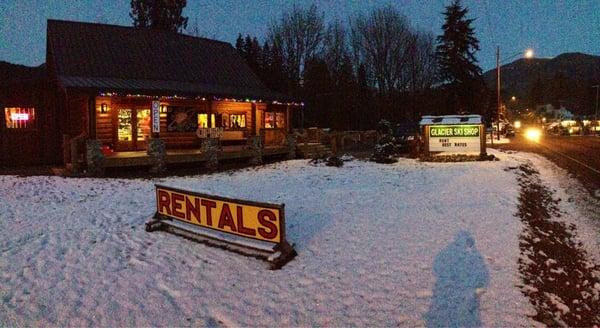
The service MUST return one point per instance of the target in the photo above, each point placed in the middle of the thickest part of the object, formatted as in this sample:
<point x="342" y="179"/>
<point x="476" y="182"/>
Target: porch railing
<point x="273" y="137"/>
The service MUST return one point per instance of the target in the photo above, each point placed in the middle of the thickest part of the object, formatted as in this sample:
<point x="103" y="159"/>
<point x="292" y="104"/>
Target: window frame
<point x="187" y="110"/>
<point x="230" y="127"/>
<point x="275" y="125"/>
<point x="211" y="120"/>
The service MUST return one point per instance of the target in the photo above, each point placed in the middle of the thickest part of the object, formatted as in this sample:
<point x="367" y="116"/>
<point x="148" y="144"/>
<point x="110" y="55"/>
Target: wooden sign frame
<point x="277" y="253"/>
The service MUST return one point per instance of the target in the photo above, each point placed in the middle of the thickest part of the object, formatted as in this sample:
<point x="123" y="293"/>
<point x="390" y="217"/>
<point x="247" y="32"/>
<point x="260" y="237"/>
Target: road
<point x="579" y="155"/>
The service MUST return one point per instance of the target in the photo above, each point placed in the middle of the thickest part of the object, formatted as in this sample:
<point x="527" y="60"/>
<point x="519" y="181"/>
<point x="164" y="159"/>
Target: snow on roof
<point x="450" y="119"/>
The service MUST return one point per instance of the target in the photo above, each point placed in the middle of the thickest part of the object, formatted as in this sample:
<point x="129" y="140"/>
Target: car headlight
<point x="533" y="134"/>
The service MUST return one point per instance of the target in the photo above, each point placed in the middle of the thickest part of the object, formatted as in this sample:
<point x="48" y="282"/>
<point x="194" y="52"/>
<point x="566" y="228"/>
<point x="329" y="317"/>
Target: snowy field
<point x="379" y="245"/>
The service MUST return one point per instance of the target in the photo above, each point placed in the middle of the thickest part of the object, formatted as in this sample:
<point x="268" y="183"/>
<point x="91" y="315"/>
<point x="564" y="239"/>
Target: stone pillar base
<point x="157" y="152"/>
<point x="291" y="143"/>
<point x="210" y="149"/>
<point x="94" y="157"/>
<point x="254" y="144"/>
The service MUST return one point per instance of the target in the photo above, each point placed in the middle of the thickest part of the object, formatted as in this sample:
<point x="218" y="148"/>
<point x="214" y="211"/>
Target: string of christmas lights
<point x="175" y="97"/>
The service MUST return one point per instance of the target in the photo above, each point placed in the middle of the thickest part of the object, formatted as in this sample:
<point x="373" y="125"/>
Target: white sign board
<point x="455" y="138"/>
<point x="19" y="117"/>
<point x="155" y="116"/>
<point x="209" y="132"/>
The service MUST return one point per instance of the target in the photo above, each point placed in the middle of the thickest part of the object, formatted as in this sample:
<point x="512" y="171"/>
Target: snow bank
<point x="379" y="245"/>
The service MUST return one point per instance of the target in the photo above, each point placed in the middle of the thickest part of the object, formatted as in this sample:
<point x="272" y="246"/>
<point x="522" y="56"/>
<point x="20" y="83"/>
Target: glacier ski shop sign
<point x="454" y="138"/>
<point x="460" y="134"/>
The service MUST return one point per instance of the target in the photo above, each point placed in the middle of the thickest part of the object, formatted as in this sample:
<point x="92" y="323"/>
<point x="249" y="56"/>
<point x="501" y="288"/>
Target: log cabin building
<point x="100" y="83"/>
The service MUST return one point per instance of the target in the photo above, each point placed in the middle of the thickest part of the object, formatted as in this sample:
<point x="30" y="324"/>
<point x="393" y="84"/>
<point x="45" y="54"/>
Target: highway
<point x="579" y="155"/>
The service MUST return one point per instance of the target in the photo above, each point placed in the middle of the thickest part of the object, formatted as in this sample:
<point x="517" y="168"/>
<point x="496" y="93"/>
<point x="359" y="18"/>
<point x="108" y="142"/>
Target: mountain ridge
<point x="566" y="78"/>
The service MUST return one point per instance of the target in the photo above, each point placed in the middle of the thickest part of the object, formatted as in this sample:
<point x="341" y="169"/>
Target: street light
<point x="528" y="54"/>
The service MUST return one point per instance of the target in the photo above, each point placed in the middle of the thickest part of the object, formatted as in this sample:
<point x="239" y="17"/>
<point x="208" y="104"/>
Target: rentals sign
<point x="455" y="138"/>
<point x="224" y="220"/>
<point x="247" y="219"/>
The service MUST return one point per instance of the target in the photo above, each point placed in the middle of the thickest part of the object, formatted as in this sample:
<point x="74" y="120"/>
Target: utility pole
<point x="498" y="89"/>
<point x="597" y="86"/>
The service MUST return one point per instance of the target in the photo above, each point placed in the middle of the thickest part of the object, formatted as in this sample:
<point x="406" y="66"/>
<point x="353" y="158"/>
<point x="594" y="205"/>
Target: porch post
<point x="210" y="112"/>
<point x="287" y="119"/>
<point x="92" y="117"/>
<point x="253" y="132"/>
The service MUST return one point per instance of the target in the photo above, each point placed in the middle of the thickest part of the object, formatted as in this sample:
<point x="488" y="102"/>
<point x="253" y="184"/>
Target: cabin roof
<point x="450" y="119"/>
<point x="119" y="58"/>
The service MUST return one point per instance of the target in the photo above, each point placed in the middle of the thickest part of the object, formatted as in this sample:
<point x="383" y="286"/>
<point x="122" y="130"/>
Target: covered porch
<point x="125" y="130"/>
<point x="124" y="122"/>
<point x="124" y="125"/>
<point x="183" y="156"/>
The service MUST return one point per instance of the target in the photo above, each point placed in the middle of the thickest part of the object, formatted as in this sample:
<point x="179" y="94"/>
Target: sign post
<point x="234" y="224"/>
<point x="155" y="118"/>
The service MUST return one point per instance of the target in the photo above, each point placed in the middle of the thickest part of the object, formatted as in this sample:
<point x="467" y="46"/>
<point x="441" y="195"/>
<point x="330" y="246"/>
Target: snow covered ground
<point x="379" y="245"/>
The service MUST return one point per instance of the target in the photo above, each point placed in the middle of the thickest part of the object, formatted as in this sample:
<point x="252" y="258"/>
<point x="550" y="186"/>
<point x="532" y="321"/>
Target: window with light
<point x="19" y="117"/>
<point x="204" y="123"/>
<point x="237" y="121"/>
<point x="269" y="120"/>
<point x="274" y="120"/>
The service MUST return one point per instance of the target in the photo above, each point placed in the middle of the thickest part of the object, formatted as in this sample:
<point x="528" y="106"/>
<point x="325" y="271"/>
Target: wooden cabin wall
<point x="260" y="117"/>
<point x="39" y="145"/>
<point x="77" y="109"/>
<point x="181" y="140"/>
<point x="104" y="121"/>
<point x="230" y="107"/>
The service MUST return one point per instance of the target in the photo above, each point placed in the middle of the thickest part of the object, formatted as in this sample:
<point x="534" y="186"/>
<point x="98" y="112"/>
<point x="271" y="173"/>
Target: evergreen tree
<point x="281" y="77"/>
<point x="367" y="115"/>
<point x="159" y="14"/>
<point x="318" y="93"/>
<point x="458" y="66"/>
<point x="239" y="45"/>
<point x="345" y="108"/>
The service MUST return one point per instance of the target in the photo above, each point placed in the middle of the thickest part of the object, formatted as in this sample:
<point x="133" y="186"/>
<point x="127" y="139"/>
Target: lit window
<point x="269" y="120"/>
<point x="280" y="120"/>
<point x="237" y="121"/>
<point x="274" y="120"/>
<point x="19" y="117"/>
<point x="203" y="120"/>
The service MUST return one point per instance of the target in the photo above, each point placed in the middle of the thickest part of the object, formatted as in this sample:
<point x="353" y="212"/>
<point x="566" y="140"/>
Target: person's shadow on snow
<point x="459" y="270"/>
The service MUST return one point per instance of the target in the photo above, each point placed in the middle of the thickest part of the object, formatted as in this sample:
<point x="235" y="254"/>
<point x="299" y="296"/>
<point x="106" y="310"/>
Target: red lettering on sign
<point x="209" y="205"/>
<point x="240" y="223"/>
<point x="164" y="202"/>
<point x="264" y="218"/>
<point x="192" y="208"/>
<point x="226" y="219"/>
<point x="177" y="204"/>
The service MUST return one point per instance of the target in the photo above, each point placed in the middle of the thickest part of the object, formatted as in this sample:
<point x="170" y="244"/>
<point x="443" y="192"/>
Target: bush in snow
<point x="385" y="150"/>
<point x="328" y="161"/>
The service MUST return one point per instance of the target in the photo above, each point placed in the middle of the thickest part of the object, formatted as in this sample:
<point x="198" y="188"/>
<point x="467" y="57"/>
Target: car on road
<point x="405" y="135"/>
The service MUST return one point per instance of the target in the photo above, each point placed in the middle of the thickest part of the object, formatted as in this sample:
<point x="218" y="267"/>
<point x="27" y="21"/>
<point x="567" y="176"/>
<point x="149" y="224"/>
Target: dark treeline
<point x="374" y="66"/>
<point x="351" y="74"/>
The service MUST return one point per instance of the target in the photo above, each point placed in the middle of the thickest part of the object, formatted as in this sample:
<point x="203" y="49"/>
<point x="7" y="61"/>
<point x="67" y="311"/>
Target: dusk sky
<point x="549" y="27"/>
